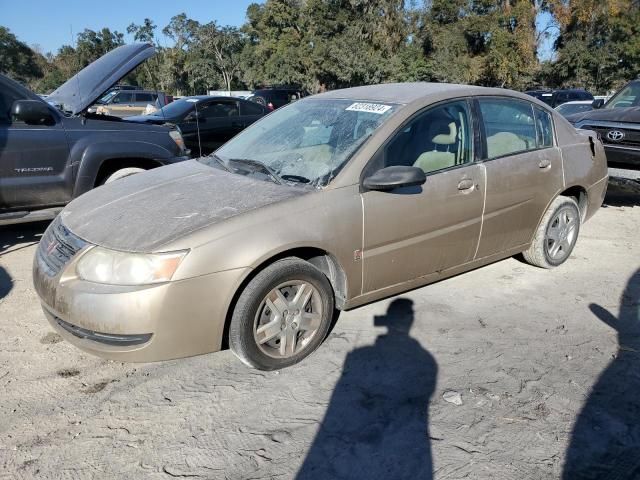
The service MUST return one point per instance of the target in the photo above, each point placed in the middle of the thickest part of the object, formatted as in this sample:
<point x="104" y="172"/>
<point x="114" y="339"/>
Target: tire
<point x="266" y="330"/>
<point x="556" y="235"/>
<point x="123" y="172"/>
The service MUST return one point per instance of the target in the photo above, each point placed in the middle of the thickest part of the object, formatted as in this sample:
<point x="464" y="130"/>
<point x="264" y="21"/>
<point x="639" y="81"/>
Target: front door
<point x="34" y="169"/>
<point x="415" y="231"/>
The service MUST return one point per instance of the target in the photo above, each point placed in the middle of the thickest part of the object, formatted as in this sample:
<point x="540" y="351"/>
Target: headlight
<point x="102" y="265"/>
<point x="177" y="137"/>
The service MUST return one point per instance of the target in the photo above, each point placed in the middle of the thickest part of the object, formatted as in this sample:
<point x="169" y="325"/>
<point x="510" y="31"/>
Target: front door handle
<point x="466" y="184"/>
<point x="544" y="163"/>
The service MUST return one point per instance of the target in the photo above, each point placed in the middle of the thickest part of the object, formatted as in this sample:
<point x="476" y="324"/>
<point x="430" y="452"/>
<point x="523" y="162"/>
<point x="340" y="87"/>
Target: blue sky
<point x="49" y="24"/>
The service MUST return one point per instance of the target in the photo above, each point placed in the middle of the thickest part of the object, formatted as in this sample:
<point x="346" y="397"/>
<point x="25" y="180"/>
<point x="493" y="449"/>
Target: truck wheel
<point x="557" y="234"/>
<point x="282" y="315"/>
<point x="123" y="172"/>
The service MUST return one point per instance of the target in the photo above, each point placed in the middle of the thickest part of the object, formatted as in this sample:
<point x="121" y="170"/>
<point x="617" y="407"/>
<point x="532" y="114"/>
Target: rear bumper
<point x="595" y="197"/>
<point x="622" y="155"/>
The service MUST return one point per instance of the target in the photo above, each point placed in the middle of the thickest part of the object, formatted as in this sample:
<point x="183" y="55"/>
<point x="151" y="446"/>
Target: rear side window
<point x="251" y="109"/>
<point x="544" y="128"/>
<point x="509" y="126"/>
<point x="144" y="97"/>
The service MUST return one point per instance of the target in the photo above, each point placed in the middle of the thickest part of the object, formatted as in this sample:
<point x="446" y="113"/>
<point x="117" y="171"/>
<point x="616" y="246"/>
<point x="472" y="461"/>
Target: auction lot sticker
<point x="368" y="107"/>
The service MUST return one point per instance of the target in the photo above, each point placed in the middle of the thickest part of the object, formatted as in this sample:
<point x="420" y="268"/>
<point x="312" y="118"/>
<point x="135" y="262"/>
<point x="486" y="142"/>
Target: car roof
<point x="406" y="93"/>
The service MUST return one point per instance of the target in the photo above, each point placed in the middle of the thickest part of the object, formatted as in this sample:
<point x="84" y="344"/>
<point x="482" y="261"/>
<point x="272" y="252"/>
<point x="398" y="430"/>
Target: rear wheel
<point x="557" y="234"/>
<point x="282" y="315"/>
<point x="123" y="172"/>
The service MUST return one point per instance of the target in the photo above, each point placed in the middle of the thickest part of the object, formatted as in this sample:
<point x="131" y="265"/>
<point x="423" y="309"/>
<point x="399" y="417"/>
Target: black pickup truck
<point x="618" y="123"/>
<point x="52" y="151"/>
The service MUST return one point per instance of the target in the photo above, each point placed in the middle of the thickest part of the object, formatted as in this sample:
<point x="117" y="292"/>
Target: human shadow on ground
<point x="376" y="424"/>
<point x="605" y="442"/>
<point x="6" y="283"/>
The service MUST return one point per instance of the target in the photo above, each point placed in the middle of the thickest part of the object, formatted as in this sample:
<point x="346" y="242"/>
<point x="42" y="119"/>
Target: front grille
<point x="57" y="247"/>
<point x="631" y="137"/>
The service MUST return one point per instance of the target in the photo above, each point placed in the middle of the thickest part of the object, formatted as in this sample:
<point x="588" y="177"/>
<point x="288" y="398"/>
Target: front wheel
<point x="123" y="172"/>
<point x="556" y="235"/>
<point x="283" y="314"/>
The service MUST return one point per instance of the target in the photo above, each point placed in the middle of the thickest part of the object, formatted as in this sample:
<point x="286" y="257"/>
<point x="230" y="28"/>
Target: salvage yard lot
<point x="521" y="346"/>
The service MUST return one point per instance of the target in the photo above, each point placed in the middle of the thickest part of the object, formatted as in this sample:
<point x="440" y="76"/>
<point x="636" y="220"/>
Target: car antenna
<point x="84" y="119"/>
<point x="195" y="104"/>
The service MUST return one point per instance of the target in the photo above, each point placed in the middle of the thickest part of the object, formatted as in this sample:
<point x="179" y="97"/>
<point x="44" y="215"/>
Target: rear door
<point x="34" y="170"/>
<point x="523" y="171"/>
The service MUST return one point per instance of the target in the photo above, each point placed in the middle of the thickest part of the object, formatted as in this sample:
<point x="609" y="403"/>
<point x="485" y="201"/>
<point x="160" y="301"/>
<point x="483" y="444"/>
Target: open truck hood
<point x="88" y="85"/>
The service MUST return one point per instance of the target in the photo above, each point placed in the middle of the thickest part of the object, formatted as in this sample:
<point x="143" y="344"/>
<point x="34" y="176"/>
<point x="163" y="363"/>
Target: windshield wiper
<point x="220" y="162"/>
<point x="255" y="163"/>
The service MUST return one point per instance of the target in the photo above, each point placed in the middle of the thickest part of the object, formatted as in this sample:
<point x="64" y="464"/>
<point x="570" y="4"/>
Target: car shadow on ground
<point x="376" y="424"/>
<point x="22" y="235"/>
<point x="622" y="192"/>
<point x="605" y="442"/>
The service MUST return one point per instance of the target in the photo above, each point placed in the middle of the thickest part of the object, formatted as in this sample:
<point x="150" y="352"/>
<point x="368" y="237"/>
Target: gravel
<point x="545" y="361"/>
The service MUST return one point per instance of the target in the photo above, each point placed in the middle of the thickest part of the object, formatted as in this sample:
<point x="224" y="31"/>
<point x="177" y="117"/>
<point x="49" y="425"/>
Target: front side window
<point x="123" y="97"/>
<point x="436" y="139"/>
<point x="220" y="110"/>
<point x="307" y="141"/>
<point x="509" y="126"/>
<point x="7" y="97"/>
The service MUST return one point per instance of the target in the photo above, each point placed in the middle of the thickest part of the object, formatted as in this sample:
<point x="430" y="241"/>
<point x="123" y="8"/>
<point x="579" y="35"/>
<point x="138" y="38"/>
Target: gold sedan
<point x="331" y="202"/>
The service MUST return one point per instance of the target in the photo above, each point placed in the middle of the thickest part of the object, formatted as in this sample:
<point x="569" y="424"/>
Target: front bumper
<point x="138" y="324"/>
<point x="622" y="155"/>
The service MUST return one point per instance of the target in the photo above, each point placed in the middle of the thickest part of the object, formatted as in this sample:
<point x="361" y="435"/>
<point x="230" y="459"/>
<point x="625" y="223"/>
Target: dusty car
<point x="331" y="202"/>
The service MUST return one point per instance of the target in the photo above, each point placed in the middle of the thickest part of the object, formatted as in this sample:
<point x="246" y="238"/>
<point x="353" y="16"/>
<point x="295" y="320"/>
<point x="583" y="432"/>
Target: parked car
<point x="333" y="201"/>
<point x="206" y="122"/>
<point x="273" y="98"/>
<point x="618" y="123"/>
<point x="553" y="98"/>
<point x="125" y="103"/>
<point x="577" y="106"/>
<point x="49" y="155"/>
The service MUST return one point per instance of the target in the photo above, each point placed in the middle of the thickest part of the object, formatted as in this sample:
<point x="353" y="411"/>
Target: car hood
<point x="88" y="85"/>
<point x="148" y="119"/>
<point x="143" y="212"/>
<point x="627" y="114"/>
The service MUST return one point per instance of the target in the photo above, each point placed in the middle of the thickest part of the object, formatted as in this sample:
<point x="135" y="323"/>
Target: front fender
<point x="87" y="159"/>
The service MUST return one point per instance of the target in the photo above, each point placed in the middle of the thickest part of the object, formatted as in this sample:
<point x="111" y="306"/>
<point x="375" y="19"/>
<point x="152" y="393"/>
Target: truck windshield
<point x="308" y="141"/>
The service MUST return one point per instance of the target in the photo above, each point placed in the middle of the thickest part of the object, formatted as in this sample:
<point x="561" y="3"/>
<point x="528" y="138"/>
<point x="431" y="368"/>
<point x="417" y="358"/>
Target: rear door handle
<point x="544" y="163"/>
<point x="466" y="184"/>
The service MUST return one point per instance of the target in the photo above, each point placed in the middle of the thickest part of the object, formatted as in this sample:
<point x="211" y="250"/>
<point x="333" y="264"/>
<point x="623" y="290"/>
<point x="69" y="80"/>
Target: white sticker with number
<point x="368" y="107"/>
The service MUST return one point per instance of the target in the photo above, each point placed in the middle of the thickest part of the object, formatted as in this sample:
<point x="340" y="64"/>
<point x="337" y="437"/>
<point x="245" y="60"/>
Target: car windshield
<point x="105" y="99"/>
<point x="175" y="109"/>
<point x="571" y="108"/>
<point x="629" y="96"/>
<point x="307" y="141"/>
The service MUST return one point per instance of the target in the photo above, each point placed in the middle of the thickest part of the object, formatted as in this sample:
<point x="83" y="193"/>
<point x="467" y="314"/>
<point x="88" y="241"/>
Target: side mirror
<point x="390" y="178"/>
<point x="597" y="103"/>
<point x="32" y="112"/>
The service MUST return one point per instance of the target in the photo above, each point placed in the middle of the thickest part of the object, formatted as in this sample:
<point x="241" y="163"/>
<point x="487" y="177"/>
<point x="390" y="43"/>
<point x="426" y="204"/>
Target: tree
<point x="216" y="51"/>
<point x="17" y="60"/>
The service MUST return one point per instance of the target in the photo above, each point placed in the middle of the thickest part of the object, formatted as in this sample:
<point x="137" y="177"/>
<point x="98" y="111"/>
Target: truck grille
<point x="57" y="247"/>
<point x="630" y="137"/>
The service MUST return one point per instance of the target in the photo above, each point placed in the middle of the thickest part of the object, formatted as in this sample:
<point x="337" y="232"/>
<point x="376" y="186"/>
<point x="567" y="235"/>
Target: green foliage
<point x="327" y="44"/>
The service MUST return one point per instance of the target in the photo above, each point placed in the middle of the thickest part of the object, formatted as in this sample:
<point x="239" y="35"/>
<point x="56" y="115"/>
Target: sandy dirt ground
<point x="506" y="372"/>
